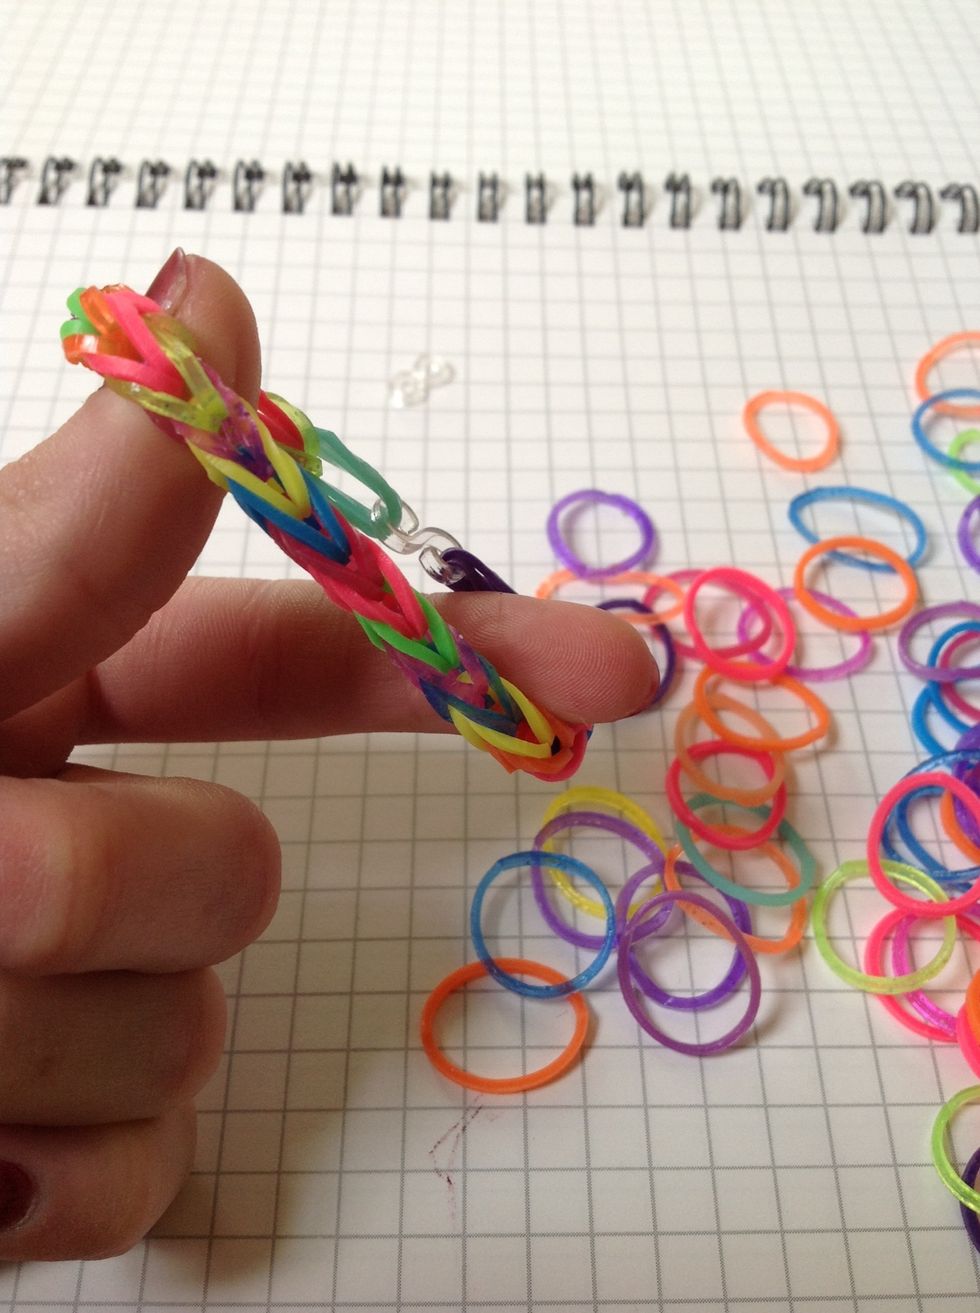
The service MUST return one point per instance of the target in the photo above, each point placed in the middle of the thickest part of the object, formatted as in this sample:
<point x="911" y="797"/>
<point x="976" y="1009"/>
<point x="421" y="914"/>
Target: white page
<point x="335" y="1168"/>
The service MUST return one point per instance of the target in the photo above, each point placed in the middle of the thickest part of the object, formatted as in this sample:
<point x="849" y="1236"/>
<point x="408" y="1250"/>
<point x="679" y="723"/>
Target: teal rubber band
<point x="786" y="832"/>
<point x="335" y="453"/>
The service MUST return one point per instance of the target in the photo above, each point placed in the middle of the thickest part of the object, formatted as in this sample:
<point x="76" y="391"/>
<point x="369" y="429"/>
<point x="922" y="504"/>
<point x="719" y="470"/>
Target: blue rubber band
<point x="942" y="760"/>
<point x="263" y="513"/>
<point x="918" y="431"/>
<point x="920" y="727"/>
<point x="870" y="498"/>
<point x="555" y="862"/>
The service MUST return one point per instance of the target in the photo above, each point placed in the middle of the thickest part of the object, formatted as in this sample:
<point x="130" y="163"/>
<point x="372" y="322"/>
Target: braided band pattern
<point x="271" y="460"/>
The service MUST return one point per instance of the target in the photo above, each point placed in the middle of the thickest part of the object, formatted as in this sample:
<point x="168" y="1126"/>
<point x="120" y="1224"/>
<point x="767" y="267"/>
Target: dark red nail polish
<point x="17" y="1195"/>
<point x="168" y="287"/>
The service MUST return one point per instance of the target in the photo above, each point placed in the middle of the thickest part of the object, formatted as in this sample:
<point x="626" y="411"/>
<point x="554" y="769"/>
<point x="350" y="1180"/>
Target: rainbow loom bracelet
<point x="270" y="460"/>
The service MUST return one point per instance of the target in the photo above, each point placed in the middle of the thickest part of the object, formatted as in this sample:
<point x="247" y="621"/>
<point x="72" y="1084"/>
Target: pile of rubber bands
<point x="762" y="655"/>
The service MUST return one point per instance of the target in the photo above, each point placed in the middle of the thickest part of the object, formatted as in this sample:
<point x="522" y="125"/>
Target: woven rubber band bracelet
<point x="270" y="460"/>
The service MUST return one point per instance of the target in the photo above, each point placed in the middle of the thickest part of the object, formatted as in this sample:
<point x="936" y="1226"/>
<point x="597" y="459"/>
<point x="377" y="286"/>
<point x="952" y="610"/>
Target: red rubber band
<point x="756" y="591"/>
<point x="908" y="784"/>
<point x="743" y="840"/>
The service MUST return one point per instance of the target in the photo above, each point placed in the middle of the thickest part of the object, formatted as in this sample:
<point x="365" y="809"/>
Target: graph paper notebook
<point x="335" y="1169"/>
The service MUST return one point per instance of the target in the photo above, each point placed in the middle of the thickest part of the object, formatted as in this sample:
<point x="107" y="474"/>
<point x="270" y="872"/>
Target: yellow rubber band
<point x="608" y="800"/>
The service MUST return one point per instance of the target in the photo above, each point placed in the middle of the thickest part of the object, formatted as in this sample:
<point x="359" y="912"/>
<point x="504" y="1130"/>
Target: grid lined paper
<point x="335" y="1169"/>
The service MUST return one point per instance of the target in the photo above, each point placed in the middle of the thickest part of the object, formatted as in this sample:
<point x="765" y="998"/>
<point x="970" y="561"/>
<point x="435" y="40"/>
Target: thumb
<point x="101" y="522"/>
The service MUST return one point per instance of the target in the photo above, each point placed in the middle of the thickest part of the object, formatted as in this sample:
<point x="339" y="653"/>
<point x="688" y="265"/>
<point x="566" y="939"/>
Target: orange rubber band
<point x="798" y="464"/>
<point x="932" y="358"/>
<point x="954" y="831"/>
<point x="747" y="797"/>
<point x="547" y="587"/>
<point x="855" y="624"/>
<point x="797" y="924"/>
<point x="507" y="1084"/>
<point x="709" y="701"/>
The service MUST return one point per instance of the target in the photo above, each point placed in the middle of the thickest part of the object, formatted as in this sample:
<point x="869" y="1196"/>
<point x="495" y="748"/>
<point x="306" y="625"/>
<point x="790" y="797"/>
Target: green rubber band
<point x="859" y="979"/>
<point x="786" y="832"/>
<point x="383" y="635"/>
<point x="442" y="635"/>
<point x="948" y="1174"/>
<point x="79" y="322"/>
<point x="332" y="450"/>
<point x="964" y="479"/>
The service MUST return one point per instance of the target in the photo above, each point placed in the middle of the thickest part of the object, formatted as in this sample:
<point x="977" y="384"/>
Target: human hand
<point x="120" y="892"/>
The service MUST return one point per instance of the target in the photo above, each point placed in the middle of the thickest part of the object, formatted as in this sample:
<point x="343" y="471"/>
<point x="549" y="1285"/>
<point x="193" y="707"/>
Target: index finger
<point x="101" y="522"/>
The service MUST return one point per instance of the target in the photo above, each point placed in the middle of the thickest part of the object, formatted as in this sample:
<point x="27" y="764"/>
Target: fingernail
<point x="17" y="1195"/>
<point x="170" y="284"/>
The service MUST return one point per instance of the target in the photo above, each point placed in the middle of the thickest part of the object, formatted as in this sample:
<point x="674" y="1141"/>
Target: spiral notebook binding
<point x="913" y="197"/>
<point x="246" y="183"/>
<point x="297" y="184"/>
<point x="11" y="166"/>
<point x="150" y="182"/>
<point x="777" y="189"/>
<point x="535" y="198"/>
<point x="55" y="177"/>
<point x="199" y="184"/>
<point x="966" y="194"/>
<point x="924" y="206"/>
<point x="828" y="203"/>
<point x="634" y="199"/>
<point x="730" y="213"/>
<point x="488" y="198"/>
<point x="678" y="186"/>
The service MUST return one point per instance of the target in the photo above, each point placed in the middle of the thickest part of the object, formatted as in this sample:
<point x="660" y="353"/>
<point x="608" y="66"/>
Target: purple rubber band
<point x="597" y="821"/>
<point x="964" y="536"/>
<point x="970" y="1219"/>
<point x="593" y="497"/>
<point x="970" y="775"/>
<point x="669" y="898"/>
<point x="917" y="999"/>
<point x="658" y="631"/>
<point x="686" y="1002"/>
<point x="819" y="674"/>
<point x="936" y="674"/>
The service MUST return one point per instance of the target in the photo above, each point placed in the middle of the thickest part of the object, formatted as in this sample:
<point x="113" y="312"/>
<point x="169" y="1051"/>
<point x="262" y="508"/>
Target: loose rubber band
<point x="928" y="1019"/>
<point x="964" y="533"/>
<point x="947" y="760"/>
<point x="940" y="1154"/>
<point x="834" y="619"/>
<point x="972" y="1003"/>
<point x="797" y="464"/>
<point x="870" y="497"/>
<point x="756" y="592"/>
<point x="881" y="984"/>
<point x="822" y="674"/>
<point x="905" y="785"/>
<point x="583" y="798"/>
<point x="938" y="404"/>
<point x="544" y="841"/>
<point x="531" y="1080"/>
<point x="932" y="358"/>
<point x="628" y="989"/>
<point x="930" y="670"/>
<point x="961" y="440"/>
<point x="708" y="998"/>
<point x="751" y="644"/>
<point x="708" y="700"/>
<point x="759" y="944"/>
<point x="965" y="634"/>
<point x="594" y="497"/>
<point x="786" y="832"/>
<point x="569" y="866"/>
<point x="558" y="578"/>
<point x="683" y="749"/>
<point x="742" y="840"/>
